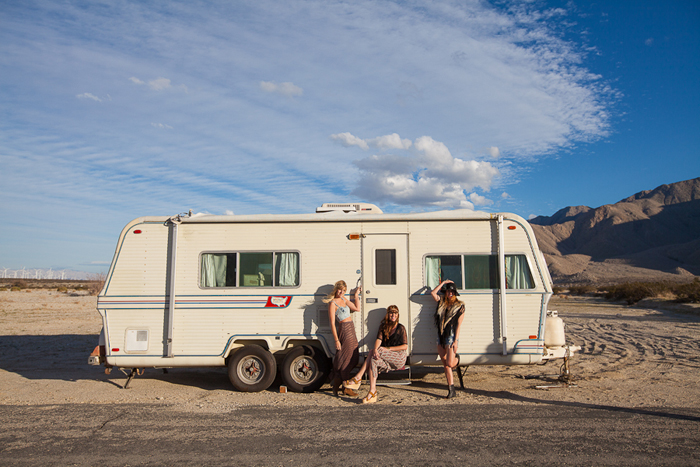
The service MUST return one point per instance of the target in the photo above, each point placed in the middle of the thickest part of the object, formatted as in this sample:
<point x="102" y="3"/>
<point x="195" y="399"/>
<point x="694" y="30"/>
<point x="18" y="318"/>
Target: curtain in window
<point x="432" y="271"/>
<point x="288" y="267"/>
<point x="518" y="273"/>
<point x="477" y="272"/>
<point x="213" y="270"/>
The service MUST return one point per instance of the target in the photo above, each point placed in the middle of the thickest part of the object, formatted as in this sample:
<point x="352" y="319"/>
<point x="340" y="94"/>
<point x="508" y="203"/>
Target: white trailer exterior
<point x="168" y="301"/>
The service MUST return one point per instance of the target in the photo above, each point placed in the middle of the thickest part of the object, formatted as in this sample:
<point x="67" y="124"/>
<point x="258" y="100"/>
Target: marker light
<point x="533" y="337"/>
<point x="354" y="236"/>
<point x="511" y="227"/>
<point x="137" y="231"/>
<point x="115" y="350"/>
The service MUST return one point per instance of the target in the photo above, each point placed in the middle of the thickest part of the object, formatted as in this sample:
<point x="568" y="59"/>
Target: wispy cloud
<point x="158" y="84"/>
<point x="347" y="139"/>
<point x="284" y="89"/>
<point x="162" y="126"/>
<point x="392" y="141"/>
<point x="87" y="95"/>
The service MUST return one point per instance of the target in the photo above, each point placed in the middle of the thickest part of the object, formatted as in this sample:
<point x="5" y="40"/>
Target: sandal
<point x="370" y="398"/>
<point x="353" y="383"/>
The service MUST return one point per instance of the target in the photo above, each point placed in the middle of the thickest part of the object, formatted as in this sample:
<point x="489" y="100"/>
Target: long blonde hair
<point x="340" y="285"/>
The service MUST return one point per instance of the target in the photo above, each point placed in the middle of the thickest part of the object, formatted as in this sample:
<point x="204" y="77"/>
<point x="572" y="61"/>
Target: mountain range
<point x="652" y="235"/>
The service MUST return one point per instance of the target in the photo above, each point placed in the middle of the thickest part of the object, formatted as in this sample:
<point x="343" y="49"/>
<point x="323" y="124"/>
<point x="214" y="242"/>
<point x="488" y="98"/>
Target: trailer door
<point x="384" y="282"/>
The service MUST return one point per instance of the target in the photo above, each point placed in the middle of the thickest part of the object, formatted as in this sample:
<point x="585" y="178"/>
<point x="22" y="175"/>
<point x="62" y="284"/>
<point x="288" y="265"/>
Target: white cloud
<point x="285" y="89"/>
<point x="649" y="41"/>
<point x="505" y="195"/>
<point x="439" y="164"/>
<point x="494" y="152"/>
<point x="87" y="95"/>
<point x="228" y="212"/>
<point x="479" y="200"/>
<point x="392" y="141"/>
<point x="162" y="126"/>
<point x="428" y="176"/>
<point x="348" y="139"/>
<point x="159" y="84"/>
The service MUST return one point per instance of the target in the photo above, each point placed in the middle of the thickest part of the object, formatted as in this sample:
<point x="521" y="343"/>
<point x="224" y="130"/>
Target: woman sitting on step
<point x="389" y="353"/>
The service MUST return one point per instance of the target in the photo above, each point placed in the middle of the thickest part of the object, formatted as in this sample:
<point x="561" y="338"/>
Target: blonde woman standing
<point x="343" y="329"/>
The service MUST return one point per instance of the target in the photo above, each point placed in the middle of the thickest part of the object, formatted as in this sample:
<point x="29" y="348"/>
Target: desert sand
<point x="632" y="357"/>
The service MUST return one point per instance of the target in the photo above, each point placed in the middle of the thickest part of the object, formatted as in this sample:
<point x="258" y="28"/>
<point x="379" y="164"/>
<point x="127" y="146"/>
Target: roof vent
<point x="362" y="208"/>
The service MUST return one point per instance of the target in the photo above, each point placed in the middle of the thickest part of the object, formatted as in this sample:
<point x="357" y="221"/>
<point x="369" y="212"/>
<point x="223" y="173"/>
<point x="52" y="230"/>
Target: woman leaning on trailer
<point x="347" y="354"/>
<point x="448" y="318"/>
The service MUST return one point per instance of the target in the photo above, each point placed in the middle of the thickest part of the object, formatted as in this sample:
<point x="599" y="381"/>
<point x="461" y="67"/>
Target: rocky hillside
<point x="652" y="235"/>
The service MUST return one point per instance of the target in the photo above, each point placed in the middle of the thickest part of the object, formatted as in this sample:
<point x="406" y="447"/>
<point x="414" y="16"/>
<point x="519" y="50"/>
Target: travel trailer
<point x="246" y="292"/>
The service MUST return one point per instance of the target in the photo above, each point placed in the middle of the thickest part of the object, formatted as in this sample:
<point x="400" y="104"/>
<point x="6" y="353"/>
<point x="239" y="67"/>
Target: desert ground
<point x="641" y="360"/>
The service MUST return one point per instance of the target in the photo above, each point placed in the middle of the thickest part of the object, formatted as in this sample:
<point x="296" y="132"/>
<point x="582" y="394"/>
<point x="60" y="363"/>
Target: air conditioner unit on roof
<point x="363" y="208"/>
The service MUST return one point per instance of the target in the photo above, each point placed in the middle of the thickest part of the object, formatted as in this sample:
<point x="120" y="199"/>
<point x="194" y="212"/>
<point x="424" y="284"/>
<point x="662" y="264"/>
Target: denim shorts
<point x="447" y="340"/>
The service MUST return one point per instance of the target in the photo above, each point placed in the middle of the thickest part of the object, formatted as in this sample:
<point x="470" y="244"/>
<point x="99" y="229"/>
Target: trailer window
<point x="385" y="265"/>
<point x="478" y="271"/>
<point x="256" y="270"/>
<point x="481" y="271"/>
<point x="287" y="269"/>
<point x="518" y="275"/>
<point x="259" y="269"/>
<point x="218" y="270"/>
<point x="440" y="268"/>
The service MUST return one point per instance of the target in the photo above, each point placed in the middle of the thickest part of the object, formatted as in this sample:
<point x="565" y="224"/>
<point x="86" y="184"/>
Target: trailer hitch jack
<point x="134" y="372"/>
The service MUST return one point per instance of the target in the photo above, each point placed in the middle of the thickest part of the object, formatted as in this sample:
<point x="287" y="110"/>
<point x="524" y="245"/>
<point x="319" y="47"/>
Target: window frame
<point x="394" y="268"/>
<point x="461" y="286"/>
<point x="238" y="254"/>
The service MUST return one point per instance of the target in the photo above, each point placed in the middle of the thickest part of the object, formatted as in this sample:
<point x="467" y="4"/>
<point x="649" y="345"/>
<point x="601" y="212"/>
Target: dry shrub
<point x="556" y="290"/>
<point x="690" y="292"/>
<point x="20" y="284"/>
<point x="633" y="292"/>
<point x="95" y="283"/>
<point x="581" y="289"/>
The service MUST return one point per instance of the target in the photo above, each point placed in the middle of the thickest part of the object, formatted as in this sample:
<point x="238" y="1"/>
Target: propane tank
<point x="554" y="330"/>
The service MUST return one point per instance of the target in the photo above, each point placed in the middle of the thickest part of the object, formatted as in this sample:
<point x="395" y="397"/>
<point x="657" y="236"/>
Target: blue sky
<point x="114" y="110"/>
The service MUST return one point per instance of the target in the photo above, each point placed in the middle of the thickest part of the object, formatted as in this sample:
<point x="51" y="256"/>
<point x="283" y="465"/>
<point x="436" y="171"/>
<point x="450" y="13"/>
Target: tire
<point x="305" y="369"/>
<point x="252" y="369"/>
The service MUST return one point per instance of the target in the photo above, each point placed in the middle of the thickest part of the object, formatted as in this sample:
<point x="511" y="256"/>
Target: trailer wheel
<point x="252" y="369"/>
<point x="305" y="369"/>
